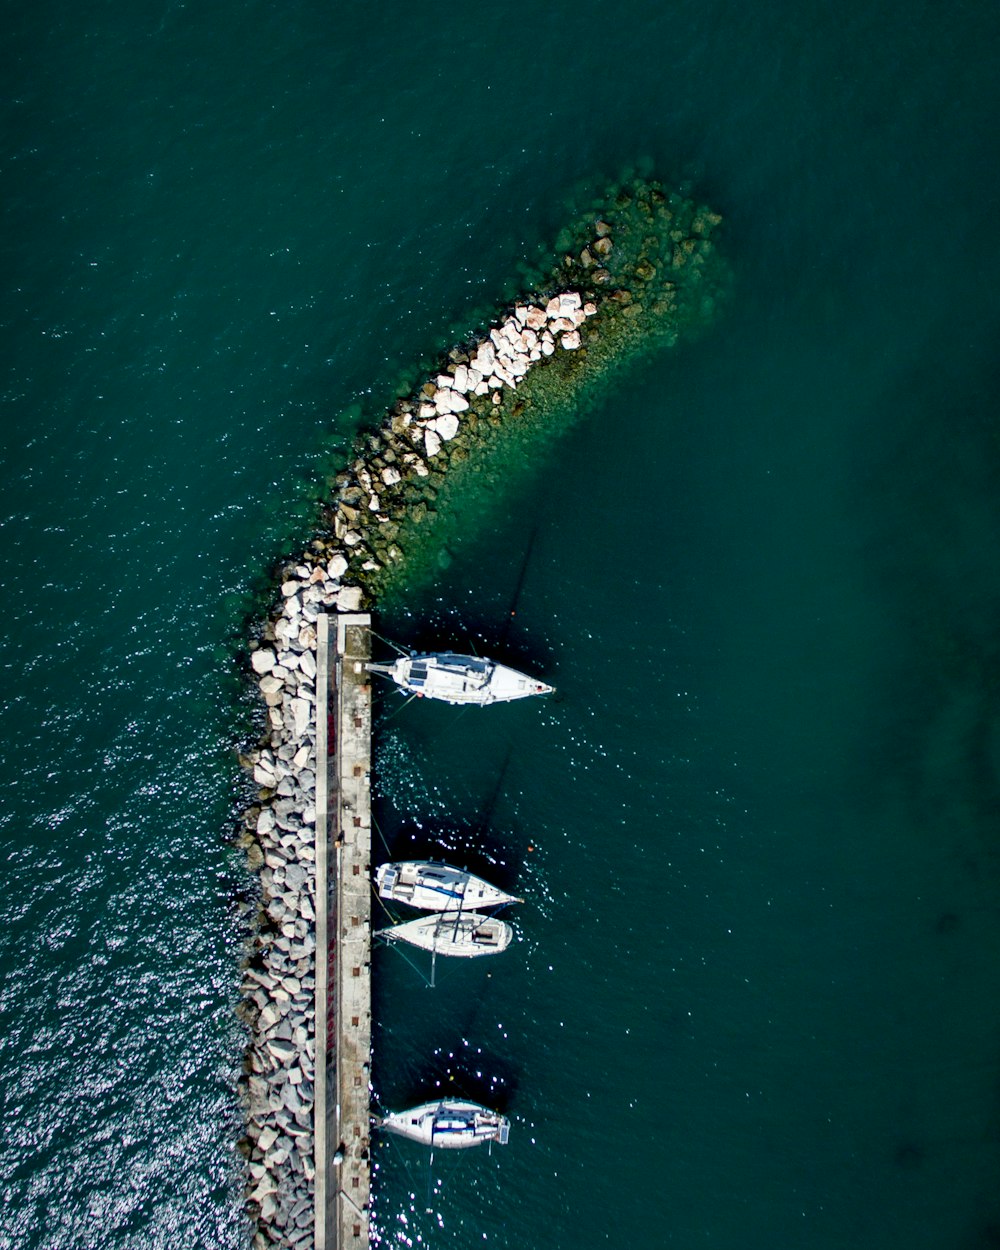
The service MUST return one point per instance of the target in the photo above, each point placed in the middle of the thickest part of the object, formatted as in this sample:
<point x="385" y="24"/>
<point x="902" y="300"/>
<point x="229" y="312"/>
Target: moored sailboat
<point x="451" y="1124"/>
<point x="465" y="934"/>
<point x="431" y="886"/>
<point x="464" y="679"/>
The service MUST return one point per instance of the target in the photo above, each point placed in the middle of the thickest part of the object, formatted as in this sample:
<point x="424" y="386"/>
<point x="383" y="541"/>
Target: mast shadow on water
<point x="469" y="842"/>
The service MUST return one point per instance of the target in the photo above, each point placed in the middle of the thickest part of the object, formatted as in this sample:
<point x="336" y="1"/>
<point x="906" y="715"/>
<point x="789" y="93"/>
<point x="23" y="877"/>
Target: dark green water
<point x="754" y="1002"/>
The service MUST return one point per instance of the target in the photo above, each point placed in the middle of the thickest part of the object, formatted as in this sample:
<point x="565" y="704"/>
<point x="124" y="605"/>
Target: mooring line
<point x="384" y="842"/>
<point x="389" y="643"/>
<point x="399" y="709"/>
<point x="421" y="975"/>
<point x="392" y="942"/>
<point x="397" y="1148"/>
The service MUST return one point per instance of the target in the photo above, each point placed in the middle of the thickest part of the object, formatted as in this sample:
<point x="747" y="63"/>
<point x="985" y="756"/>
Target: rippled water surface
<point x="753" y="997"/>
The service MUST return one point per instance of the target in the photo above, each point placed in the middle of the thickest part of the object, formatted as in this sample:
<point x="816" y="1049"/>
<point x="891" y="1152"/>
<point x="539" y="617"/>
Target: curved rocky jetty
<point x="627" y="280"/>
<point x="394" y="479"/>
<point x="630" y="275"/>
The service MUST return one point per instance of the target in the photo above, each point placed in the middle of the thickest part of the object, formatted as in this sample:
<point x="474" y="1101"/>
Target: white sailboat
<point x="465" y="934"/>
<point x="430" y="886"/>
<point x="465" y="679"/>
<point x="451" y="1124"/>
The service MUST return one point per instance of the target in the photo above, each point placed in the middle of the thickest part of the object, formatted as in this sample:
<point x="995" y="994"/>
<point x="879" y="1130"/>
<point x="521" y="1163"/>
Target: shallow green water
<point x="754" y="999"/>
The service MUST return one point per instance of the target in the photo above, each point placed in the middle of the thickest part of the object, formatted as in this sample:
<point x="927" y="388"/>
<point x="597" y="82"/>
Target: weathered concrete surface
<point x="343" y="931"/>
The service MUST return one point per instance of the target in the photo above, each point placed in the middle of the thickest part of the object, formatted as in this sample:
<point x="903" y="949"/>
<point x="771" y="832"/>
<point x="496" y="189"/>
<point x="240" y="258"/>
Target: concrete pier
<point x="343" y="931"/>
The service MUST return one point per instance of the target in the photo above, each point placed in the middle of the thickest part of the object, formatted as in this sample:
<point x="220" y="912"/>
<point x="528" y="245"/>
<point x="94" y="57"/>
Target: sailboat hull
<point x="460" y="679"/>
<point x="465" y="935"/>
<point x="450" y="1125"/>
<point x="437" y="887"/>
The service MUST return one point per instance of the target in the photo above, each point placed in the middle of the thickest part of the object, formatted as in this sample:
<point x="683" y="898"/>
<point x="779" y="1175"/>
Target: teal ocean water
<point x="754" y="998"/>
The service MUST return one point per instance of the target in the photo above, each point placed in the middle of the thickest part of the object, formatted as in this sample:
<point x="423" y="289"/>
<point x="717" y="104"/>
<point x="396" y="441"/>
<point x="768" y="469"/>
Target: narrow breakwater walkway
<point x="343" y="931"/>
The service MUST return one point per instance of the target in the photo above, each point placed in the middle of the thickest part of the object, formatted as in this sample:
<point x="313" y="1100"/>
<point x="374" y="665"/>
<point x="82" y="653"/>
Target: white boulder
<point x="449" y="401"/>
<point x="446" y="426"/>
<point x="264" y="777"/>
<point x="301" y="713"/>
<point x="349" y="599"/>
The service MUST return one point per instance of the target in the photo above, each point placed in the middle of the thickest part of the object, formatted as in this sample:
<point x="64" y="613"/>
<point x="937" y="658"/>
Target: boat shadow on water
<point x="488" y="853"/>
<point x="472" y="1074"/>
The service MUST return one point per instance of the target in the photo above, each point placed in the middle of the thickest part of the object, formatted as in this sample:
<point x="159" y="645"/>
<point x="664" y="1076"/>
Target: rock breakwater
<point x="631" y="278"/>
<point x="280" y="976"/>
<point x="633" y="273"/>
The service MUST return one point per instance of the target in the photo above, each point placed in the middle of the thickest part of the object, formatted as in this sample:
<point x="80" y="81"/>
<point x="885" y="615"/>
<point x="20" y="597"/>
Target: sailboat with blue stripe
<point x="430" y="886"/>
<point x="451" y="1123"/>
